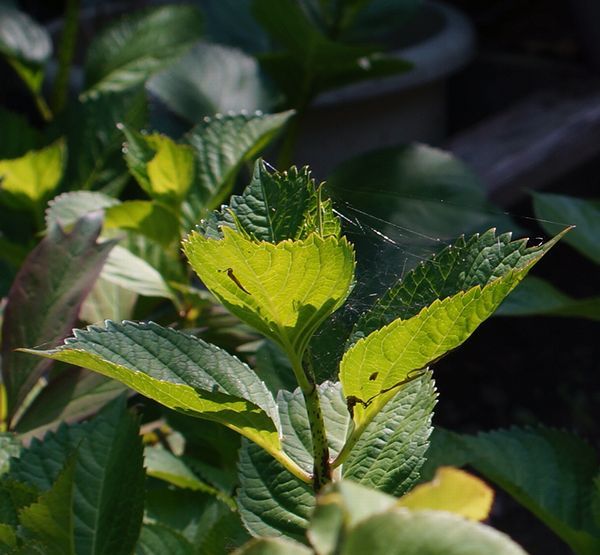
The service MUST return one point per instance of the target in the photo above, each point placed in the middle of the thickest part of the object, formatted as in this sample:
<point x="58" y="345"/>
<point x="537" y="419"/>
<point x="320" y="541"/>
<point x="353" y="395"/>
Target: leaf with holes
<point x="375" y="366"/>
<point x="479" y="260"/>
<point x="389" y="454"/>
<point x="284" y="290"/>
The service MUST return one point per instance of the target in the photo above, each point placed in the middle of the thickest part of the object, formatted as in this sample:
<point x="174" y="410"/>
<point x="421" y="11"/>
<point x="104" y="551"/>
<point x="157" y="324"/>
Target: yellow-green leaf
<point x="28" y="180"/>
<point x="285" y="290"/>
<point x="452" y="490"/>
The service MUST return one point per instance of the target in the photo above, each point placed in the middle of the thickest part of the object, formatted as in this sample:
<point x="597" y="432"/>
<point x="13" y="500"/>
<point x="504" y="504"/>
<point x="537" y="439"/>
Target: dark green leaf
<point x="107" y="457"/>
<point x="127" y="52"/>
<point x="236" y="83"/>
<point x="552" y="210"/>
<point x="18" y="136"/>
<point x="222" y="144"/>
<point x="157" y="539"/>
<point x="549" y="472"/>
<point x="536" y="296"/>
<point x="390" y="453"/>
<point x="277" y="206"/>
<point x="273" y="546"/>
<point x="44" y="301"/>
<point x="94" y="142"/>
<point x="51" y="518"/>
<point x="271" y="501"/>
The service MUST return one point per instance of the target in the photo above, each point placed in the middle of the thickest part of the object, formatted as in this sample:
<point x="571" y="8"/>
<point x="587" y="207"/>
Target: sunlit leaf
<point x="180" y="371"/>
<point x="29" y="180"/>
<point x="454" y="491"/>
<point x="284" y="290"/>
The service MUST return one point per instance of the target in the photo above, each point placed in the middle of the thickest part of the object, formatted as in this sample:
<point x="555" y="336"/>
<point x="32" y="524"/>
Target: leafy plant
<point x="276" y="258"/>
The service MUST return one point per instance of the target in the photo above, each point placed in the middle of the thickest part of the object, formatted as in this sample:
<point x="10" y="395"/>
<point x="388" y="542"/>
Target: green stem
<point x="42" y="107"/>
<point x="65" y="55"/>
<point x="321" y="463"/>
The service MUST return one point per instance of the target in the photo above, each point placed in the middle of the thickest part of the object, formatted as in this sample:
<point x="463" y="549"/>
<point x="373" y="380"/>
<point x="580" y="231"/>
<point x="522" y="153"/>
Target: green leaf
<point x="536" y="296"/>
<point x="236" y="83"/>
<point x="163" y="168"/>
<point x="163" y="465"/>
<point x="222" y="144"/>
<point x="107" y="457"/>
<point x="311" y="56"/>
<point x="10" y="446"/>
<point x="401" y="532"/>
<point x="44" y="301"/>
<point x="149" y="218"/>
<point x="71" y="396"/>
<point x="125" y="269"/>
<point x="390" y="453"/>
<point x="51" y="519"/>
<point x="180" y="371"/>
<point x="130" y="50"/>
<point x="375" y="366"/>
<point x="277" y="206"/>
<point x="25" y="44"/>
<point x="18" y="135"/>
<point x="271" y="500"/>
<point x="583" y="214"/>
<point x="8" y="538"/>
<point x="67" y="208"/>
<point x="27" y="181"/>
<point x="94" y="141"/>
<point x="108" y="301"/>
<point x="550" y="472"/>
<point x="157" y="539"/>
<point x="297" y="439"/>
<point x="476" y="261"/>
<point x="454" y="491"/>
<point x="273" y="546"/>
<point x="284" y="290"/>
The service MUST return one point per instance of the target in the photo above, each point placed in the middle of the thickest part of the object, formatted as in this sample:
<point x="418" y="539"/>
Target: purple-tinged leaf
<point x="45" y="298"/>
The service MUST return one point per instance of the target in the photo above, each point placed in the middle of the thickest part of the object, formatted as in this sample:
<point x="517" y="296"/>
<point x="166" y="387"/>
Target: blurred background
<point x="460" y="115"/>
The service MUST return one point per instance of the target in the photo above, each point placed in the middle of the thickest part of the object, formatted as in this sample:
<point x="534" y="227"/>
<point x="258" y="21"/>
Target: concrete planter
<point x="393" y="110"/>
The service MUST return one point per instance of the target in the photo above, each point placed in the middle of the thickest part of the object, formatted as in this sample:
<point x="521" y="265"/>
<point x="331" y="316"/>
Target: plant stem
<point x="65" y="55"/>
<point x="321" y="464"/>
